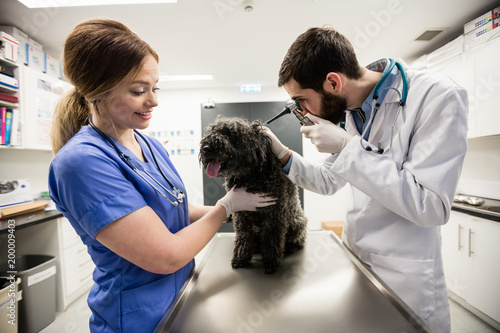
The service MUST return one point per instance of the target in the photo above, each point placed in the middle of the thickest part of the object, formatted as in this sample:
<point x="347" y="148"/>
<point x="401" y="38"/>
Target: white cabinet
<point x="75" y="264"/>
<point x="470" y="254"/>
<point x="487" y="88"/>
<point x="461" y="69"/>
<point x="478" y="71"/>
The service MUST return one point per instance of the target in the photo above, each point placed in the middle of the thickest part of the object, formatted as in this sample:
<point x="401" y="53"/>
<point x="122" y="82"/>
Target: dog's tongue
<point x="213" y="168"/>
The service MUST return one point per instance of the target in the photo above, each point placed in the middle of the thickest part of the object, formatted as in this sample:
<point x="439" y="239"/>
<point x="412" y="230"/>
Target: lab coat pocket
<point x="411" y="280"/>
<point x="143" y="307"/>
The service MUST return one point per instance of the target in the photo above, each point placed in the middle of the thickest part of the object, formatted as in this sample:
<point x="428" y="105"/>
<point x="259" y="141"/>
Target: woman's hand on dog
<point x="237" y="200"/>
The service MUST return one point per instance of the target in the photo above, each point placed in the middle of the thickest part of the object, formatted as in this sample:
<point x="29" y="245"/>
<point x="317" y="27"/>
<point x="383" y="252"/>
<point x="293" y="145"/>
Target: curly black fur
<point x="246" y="160"/>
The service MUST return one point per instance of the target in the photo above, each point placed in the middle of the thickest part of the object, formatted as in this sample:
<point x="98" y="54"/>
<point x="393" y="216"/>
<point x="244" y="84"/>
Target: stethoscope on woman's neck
<point x="177" y="194"/>
<point x="376" y="93"/>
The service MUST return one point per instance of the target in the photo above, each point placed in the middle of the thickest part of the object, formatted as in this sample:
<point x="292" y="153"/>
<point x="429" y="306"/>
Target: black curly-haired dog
<point x="240" y="152"/>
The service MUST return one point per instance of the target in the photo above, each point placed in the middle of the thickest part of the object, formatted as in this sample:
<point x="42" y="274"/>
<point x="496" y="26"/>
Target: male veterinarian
<point x="403" y="165"/>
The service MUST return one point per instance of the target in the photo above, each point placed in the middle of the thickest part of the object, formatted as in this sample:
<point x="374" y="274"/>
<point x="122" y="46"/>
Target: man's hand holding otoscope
<point x="326" y="136"/>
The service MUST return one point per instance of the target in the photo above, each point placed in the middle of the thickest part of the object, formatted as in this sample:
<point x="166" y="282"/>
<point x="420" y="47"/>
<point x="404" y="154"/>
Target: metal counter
<point x="322" y="288"/>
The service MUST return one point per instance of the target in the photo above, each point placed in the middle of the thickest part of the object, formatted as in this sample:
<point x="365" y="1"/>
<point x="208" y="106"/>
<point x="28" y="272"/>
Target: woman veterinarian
<point x="403" y="165"/>
<point x="118" y="188"/>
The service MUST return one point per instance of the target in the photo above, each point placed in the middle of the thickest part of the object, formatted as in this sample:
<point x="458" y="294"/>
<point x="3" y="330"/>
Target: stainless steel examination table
<point x="322" y="288"/>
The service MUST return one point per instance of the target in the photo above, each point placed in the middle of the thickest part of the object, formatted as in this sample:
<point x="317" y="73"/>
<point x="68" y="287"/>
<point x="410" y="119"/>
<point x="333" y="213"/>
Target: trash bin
<point x="8" y="304"/>
<point x="37" y="306"/>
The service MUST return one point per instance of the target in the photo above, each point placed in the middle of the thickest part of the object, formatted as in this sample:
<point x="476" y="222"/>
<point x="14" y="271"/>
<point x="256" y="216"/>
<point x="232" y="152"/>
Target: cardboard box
<point x="23" y="42"/>
<point x="52" y="66"/>
<point x="22" y="209"/>
<point x="482" y="35"/>
<point x="481" y="20"/>
<point x="36" y="58"/>
<point x="10" y="46"/>
<point x="335" y="226"/>
<point x="34" y="44"/>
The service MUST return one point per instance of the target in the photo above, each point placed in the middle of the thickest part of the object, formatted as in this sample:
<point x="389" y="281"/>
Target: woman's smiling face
<point x="130" y="104"/>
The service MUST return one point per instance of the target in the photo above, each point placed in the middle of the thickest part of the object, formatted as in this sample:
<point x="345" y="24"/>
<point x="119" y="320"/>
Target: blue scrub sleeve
<point x="288" y="165"/>
<point x="96" y="191"/>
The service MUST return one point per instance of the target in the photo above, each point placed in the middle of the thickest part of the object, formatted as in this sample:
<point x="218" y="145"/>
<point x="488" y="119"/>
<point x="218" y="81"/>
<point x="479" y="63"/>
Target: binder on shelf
<point x="9" y="81"/>
<point x="8" y="126"/>
<point x="4" y="115"/>
<point x="15" y="139"/>
<point x="9" y="98"/>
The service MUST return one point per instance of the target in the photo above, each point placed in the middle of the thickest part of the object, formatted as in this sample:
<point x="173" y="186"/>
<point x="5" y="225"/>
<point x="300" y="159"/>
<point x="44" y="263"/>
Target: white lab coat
<point x="401" y="198"/>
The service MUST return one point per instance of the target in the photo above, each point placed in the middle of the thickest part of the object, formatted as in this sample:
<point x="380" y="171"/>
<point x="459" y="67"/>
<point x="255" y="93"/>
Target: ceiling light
<point x="75" y="3"/>
<point x="186" y="77"/>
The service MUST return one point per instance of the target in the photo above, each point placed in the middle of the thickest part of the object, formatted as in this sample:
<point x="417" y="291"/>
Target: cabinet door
<point x="485" y="272"/>
<point x="487" y="88"/>
<point x="455" y="256"/>
<point x="461" y="70"/>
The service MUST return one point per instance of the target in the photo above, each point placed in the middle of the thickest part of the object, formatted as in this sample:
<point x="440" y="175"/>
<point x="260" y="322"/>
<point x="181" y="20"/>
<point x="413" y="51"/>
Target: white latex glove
<point x="240" y="200"/>
<point x="325" y="135"/>
<point x="277" y="147"/>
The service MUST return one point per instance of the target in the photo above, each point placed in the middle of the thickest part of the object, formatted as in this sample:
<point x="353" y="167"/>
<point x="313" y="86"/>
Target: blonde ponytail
<point x="71" y="113"/>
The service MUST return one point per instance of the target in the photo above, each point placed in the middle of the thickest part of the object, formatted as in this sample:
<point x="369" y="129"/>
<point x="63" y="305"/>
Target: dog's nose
<point x="207" y="149"/>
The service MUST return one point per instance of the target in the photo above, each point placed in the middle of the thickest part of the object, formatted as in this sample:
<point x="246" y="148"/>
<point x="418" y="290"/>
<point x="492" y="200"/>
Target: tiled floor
<point x="76" y="317"/>
<point x="463" y="321"/>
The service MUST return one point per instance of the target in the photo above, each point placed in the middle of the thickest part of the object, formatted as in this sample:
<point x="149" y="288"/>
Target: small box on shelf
<point x="9" y="46"/>
<point x="22" y="39"/>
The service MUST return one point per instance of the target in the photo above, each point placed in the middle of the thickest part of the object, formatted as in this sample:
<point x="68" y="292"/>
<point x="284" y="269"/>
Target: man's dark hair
<point x="314" y="54"/>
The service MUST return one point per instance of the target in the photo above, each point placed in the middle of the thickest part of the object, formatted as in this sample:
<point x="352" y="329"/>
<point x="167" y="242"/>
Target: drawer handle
<point x="85" y="278"/>
<point x="459" y="237"/>
<point x="470" y="243"/>
<point x="87" y="263"/>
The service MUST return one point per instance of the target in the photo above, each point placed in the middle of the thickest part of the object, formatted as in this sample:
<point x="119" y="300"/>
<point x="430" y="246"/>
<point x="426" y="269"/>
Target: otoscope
<point x="292" y="106"/>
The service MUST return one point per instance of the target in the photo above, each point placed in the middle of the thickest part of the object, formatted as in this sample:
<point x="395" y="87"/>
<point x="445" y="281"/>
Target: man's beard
<point x="332" y="107"/>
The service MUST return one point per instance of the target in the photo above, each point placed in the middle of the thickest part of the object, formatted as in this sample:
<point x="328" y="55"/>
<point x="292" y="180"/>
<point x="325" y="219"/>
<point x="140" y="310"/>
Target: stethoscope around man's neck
<point x="376" y="94"/>
<point x="177" y="194"/>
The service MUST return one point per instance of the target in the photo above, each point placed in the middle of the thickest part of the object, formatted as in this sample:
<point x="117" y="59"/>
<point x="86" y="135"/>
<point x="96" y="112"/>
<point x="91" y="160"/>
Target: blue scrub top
<point x="93" y="187"/>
